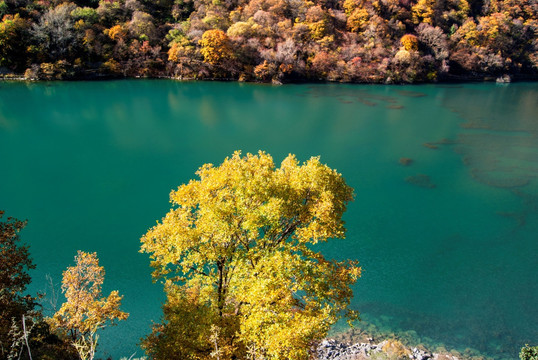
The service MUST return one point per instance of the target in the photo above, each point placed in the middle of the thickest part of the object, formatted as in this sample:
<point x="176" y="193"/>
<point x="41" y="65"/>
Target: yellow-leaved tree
<point x="84" y="311"/>
<point x="236" y="254"/>
<point x="216" y="46"/>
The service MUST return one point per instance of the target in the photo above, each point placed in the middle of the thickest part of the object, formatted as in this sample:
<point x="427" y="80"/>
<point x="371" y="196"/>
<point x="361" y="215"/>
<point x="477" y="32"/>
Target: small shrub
<point x="409" y="42"/>
<point x="529" y="353"/>
<point x="265" y="70"/>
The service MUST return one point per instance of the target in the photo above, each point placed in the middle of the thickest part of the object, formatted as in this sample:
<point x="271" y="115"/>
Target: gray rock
<point x="334" y="350"/>
<point x="420" y="354"/>
<point x="505" y="79"/>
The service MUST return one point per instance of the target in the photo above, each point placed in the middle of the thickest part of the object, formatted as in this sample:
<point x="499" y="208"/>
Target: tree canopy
<point x="265" y="40"/>
<point x="236" y="254"/>
<point x="84" y="311"/>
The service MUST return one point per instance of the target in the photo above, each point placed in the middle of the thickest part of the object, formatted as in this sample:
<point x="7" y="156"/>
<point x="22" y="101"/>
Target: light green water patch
<point x="91" y="164"/>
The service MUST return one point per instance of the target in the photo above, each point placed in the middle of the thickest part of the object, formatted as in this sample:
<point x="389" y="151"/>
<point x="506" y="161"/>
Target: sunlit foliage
<point x="215" y="46"/>
<point x="409" y="42"/>
<point x="85" y="312"/>
<point x="423" y="11"/>
<point x="242" y="39"/>
<point x="237" y="256"/>
<point x="529" y="353"/>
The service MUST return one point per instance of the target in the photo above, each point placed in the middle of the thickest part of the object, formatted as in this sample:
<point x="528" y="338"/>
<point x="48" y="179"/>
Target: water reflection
<point x="353" y="95"/>
<point x="499" y="141"/>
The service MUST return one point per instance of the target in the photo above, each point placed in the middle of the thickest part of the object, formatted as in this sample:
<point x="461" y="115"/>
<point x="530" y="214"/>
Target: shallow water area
<point x="448" y="256"/>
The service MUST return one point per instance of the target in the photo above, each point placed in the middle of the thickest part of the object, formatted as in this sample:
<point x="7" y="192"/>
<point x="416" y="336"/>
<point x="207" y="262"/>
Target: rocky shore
<point x="387" y="349"/>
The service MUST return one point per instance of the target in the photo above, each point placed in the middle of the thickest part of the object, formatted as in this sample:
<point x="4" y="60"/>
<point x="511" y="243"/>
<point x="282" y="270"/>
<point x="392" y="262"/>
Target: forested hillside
<point x="270" y="40"/>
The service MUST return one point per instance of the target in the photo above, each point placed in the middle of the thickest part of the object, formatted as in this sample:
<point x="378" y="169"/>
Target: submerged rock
<point x="420" y="180"/>
<point x="430" y="145"/>
<point x="406" y="161"/>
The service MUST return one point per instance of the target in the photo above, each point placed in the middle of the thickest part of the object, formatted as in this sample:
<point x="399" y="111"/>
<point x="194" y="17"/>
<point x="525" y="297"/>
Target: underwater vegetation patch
<point x="421" y="180"/>
<point x="413" y="94"/>
<point x="430" y="146"/>
<point x="406" y="161"/>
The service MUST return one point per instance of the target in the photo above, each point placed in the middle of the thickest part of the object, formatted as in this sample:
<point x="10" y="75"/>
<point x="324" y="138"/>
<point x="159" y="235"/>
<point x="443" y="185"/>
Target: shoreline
<point x="356" y="344"/>
<point x="504" y="78"/>
<point x="389" y="349"/>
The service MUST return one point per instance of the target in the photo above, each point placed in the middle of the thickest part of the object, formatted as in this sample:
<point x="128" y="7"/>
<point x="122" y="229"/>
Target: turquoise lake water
<point x="448" y="244"/>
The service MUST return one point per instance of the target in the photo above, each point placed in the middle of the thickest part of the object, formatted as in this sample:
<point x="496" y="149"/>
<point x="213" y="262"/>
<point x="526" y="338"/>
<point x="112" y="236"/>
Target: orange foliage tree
<point x="423" y="11"/>
<point x="409" y="42"/>
<point x="85" y="311"/>
<point x="215" y="46"/>
<point x="116" y="32"/>
<point x="358" y="20"/>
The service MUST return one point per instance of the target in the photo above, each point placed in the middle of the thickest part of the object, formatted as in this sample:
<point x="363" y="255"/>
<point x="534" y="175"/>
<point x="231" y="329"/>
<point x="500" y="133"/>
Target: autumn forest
<point x="374" y="41"/>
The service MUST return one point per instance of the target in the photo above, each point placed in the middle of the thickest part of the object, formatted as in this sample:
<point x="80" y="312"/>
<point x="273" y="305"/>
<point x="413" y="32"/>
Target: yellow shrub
<point x="358" y="20"/>
<point x="115" y="32"/>
<point x="215" y="46"/>
<point x="409" y="42"/>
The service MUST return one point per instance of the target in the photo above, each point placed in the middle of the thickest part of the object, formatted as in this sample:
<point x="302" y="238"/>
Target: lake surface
<point x="448" y="243"/>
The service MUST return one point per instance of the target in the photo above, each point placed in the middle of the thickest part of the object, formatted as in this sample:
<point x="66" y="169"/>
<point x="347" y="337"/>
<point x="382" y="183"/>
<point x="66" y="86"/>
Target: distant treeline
<point x="270" y="40"/>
